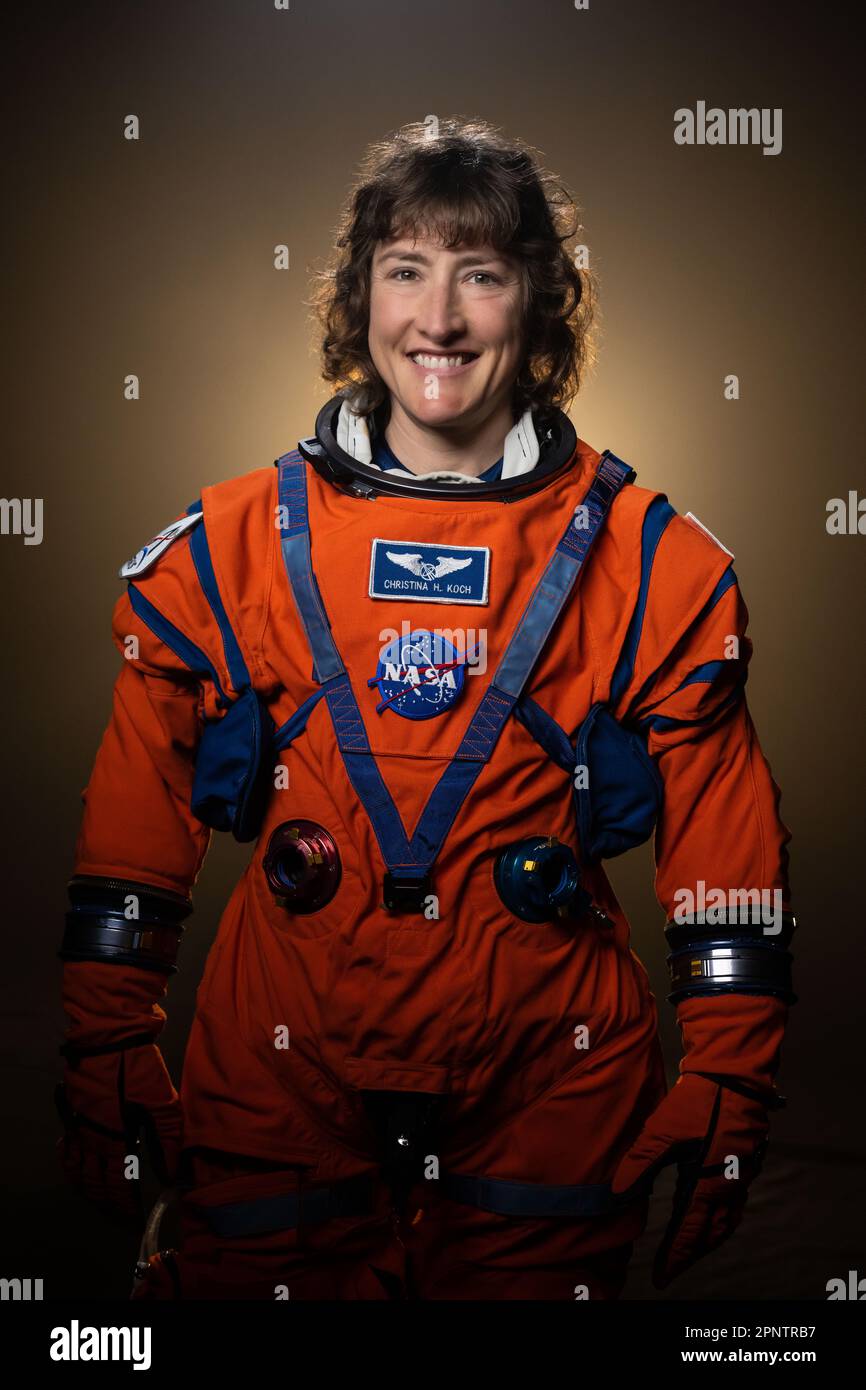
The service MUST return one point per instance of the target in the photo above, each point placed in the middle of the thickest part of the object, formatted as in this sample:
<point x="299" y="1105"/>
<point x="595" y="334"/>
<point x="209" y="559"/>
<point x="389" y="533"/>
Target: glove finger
<point x="712" y="1216"/>
<point x="70" y="1154"/>
<point x="726" y="1218"/>
<point x="700" y="1239"/>
<point x="95" y="1167"/>
<point x="684" y="1240"/>
<point x="83" y="1166"/>
<point x="163" y="1135"/>
<point x="146" y="1079"/>
<point x="104" y="1182"/>
<point x="154" y="1106"/>
<point x="673" y="1132"/>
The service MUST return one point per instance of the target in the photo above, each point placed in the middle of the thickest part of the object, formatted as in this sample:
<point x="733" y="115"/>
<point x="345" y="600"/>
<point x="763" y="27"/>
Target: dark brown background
<point x="155" y="258"/>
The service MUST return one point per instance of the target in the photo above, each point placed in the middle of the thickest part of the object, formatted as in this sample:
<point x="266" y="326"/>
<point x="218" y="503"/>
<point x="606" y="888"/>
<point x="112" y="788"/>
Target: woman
<point x="439" y="663"/>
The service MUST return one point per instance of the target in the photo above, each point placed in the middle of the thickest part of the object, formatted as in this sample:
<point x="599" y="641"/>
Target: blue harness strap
<point x="535" y="1199"/>
<point x="288" y="1210"/>
<point x="559" y="576"/>
<point x="356" y="1196"/>
<point x="413" y="859"/>
<point x="295" y="543"/>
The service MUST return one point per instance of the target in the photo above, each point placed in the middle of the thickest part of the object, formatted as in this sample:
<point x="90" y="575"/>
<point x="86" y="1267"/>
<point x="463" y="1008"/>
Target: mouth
<point x="444" y="364"/>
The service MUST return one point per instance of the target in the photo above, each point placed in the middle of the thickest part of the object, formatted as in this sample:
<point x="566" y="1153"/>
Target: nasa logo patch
<point x="419" y="675"/>
<point x="144" y="558"/>
<point x="425" y="572"/>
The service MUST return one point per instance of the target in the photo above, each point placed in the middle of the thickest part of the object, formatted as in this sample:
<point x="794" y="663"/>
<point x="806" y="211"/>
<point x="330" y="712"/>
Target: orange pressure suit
<point x="424" y="951"/>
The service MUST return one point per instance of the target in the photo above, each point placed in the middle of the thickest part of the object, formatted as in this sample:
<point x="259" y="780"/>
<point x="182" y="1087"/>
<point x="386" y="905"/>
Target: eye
<point x="407" y="270"/>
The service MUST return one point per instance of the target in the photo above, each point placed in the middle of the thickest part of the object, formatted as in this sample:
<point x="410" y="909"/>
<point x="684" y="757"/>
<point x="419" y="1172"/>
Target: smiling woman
<point x="425" y="1060"/>
<point x="455" y="302"/>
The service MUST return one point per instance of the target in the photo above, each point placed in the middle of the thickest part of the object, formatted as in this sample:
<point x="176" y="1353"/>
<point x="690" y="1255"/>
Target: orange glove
<point x="107" y="1102"/>
<point x="116" y="1085"/>
<point x="713" y="1123"/>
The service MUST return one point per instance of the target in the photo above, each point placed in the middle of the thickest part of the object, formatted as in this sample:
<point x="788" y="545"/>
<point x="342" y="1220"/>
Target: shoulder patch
<point x="699" y="526"/>
<point x="144" y="558"/>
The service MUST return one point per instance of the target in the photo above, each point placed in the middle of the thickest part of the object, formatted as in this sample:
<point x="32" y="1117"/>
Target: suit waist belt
<point x="356" y="1197"/>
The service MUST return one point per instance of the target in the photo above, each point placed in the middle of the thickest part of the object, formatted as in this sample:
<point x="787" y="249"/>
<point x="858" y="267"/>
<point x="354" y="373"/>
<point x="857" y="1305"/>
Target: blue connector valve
<point x="538" y="879"/>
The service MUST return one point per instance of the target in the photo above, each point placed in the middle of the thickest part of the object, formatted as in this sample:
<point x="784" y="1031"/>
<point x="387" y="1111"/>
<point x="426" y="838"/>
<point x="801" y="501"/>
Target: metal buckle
<point x="406" y="894"/>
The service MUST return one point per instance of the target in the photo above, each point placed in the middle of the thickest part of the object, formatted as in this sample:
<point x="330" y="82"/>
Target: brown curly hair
<point x="468" y="184"/>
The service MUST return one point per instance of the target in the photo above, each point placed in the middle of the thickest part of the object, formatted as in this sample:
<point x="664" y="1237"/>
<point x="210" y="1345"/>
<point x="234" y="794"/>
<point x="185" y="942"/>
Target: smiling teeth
<point x="423" y="360"/>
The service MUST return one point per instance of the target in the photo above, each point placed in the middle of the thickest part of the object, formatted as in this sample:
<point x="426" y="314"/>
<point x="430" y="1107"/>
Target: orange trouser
<point x="434" y="1248"/>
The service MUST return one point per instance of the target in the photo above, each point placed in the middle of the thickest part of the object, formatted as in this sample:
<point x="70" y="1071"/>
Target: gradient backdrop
<point x="155" y="257"/>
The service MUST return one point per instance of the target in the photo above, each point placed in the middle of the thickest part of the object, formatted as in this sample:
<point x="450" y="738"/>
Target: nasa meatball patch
<point x="429" y="573"/>
<point x="419" y="675"/>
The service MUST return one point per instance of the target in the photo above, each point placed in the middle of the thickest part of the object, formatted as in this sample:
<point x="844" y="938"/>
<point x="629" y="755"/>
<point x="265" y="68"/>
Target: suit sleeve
<point x="137" y="826"/>
<point x="137" y="822"/>
<point x="687" y="664"/>
<point x="687" y="657"/>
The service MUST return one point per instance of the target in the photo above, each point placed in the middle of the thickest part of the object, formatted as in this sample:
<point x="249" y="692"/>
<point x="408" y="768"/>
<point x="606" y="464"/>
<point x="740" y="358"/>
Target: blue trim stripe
<point x="726" y="582"/>
<point x="237" y="667"/>
<point x="173" y="638"/>
<point x="661" y="723"/>
<point x="548" y="734"/>
<point x="711" y="669"/>
<point x="658" y="515"/>
<point x="288" y="732"/>
<point x="708" y="672"/>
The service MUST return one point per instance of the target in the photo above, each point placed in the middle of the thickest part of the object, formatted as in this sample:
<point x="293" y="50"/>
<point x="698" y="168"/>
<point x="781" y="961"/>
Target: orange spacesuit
<point x="435" y="709"/>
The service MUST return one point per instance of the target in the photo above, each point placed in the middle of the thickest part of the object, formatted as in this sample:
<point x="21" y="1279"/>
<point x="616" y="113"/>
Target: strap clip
<point x="406" y="894"/>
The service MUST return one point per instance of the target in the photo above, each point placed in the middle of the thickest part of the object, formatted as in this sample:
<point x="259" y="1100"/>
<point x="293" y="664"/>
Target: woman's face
<point x="443" y="303"/>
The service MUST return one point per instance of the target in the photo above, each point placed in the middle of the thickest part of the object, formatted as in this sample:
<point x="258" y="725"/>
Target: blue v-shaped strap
<point x="414" y="859"/>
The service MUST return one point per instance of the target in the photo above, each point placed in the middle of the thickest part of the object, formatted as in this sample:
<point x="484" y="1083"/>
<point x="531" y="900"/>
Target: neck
<point x="469" y="449"/>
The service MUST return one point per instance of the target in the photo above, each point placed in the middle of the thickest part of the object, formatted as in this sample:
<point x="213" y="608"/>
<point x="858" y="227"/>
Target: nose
<point x="439" y="315"/>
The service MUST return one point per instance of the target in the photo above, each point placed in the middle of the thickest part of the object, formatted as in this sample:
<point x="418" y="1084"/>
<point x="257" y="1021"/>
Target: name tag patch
<point x="429" y="573"/>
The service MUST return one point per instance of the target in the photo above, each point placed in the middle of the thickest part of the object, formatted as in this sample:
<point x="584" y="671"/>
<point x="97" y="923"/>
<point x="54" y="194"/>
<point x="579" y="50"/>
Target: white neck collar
<point x="520" y="452"/>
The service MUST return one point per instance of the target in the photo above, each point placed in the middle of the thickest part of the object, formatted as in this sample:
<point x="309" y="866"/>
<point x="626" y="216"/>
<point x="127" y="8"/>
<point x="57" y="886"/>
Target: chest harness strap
<point x="408" y="880"/>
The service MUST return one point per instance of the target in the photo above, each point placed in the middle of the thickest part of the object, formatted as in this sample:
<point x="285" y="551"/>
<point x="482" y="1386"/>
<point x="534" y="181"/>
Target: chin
<point x="440" y="419"/>
<point x="436" y="412"/>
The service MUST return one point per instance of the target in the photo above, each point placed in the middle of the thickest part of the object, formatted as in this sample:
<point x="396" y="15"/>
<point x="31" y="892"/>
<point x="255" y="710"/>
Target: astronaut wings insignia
<point x="445" y="564"/>
<point x="429" y="571"/>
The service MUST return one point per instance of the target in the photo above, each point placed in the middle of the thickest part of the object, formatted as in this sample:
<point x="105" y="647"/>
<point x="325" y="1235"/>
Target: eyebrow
<point x="470" y="258"/>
